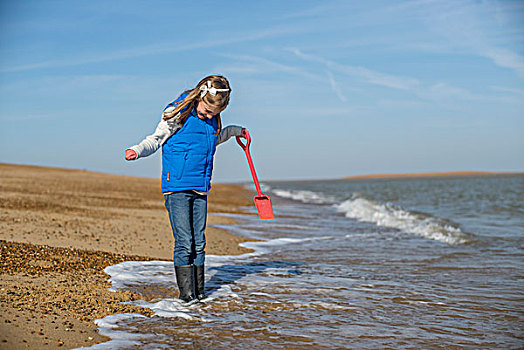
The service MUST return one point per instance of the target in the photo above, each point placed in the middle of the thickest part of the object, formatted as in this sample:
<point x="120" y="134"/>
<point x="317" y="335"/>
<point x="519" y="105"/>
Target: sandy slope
<point x="60" y="228"/>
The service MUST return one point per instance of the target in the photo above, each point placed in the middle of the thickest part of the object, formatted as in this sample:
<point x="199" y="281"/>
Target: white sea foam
<point x="282" y="241"/>
<point x="131" y="273"/>
<point x="304" y="196"/>
<point x="127" y="274"/>
<point x="108" y="326"/>
<point x="264" y="247"/>
<point x="387" y="215"/>
<point x="261" y="294"/>
<point x="139" y="272"/>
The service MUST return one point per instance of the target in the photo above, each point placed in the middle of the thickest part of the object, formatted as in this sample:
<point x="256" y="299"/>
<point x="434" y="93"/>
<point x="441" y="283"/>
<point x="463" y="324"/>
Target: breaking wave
<point x="387" y="215"/>
<point x="384" y="215"/>
<point x="304" y="196"/>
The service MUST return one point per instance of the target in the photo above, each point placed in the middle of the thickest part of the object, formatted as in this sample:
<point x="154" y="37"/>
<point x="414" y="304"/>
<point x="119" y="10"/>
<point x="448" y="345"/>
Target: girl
<point x="189" y="131"/>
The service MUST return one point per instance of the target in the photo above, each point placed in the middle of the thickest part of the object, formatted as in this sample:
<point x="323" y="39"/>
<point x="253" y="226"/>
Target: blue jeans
<point x="187" y="214"/>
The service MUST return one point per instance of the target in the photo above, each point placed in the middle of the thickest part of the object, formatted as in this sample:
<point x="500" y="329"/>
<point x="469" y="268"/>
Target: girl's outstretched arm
<point x="228" y="132"/>
<point x="151" y="143"/>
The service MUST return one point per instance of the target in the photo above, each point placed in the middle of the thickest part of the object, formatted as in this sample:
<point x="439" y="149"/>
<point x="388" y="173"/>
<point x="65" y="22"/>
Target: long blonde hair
<point x="219" y="101"/>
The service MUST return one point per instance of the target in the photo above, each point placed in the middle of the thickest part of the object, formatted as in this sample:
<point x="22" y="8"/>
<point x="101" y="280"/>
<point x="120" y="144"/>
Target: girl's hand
<point x="245" y="133"/>
<point x="130" y="154"/>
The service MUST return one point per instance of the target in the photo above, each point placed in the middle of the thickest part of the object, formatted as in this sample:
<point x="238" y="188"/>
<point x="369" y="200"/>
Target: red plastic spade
<point x="262" y="201"/>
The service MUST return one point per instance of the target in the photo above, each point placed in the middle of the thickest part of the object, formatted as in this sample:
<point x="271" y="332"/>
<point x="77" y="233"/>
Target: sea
<point x="398" y="263"/>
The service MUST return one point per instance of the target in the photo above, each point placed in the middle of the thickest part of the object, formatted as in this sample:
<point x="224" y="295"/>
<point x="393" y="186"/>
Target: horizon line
<point x="432" y="174"/>
<point x="351" y="177"/>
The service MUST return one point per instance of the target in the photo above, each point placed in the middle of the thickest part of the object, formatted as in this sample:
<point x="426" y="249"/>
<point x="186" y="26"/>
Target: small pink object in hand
<point x="130" y="154"/>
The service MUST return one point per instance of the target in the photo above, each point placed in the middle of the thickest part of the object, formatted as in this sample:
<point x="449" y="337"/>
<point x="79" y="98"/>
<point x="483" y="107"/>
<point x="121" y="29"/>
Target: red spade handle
<point x="245" y="147"/>
<point x="248" y="140"/>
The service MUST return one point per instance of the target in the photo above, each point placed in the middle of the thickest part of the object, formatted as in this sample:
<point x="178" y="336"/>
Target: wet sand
<point x="60" y="228"/>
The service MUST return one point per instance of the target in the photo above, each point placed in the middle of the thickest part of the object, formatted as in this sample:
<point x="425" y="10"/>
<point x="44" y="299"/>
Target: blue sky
<point x="326" y="88"/>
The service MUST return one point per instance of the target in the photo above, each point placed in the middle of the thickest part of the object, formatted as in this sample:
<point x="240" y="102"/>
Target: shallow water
<point x="405" y="263"/>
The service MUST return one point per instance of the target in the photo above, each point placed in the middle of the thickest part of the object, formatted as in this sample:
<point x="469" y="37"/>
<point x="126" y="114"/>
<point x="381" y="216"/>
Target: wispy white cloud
<point x="508" y="96"/>
<point x="511" y="90"/>
<point x="443" y="91"/>
<point x="264" y="66"/>
<point x="63" y="83"/>
<point x="149" y="50"/>
<point x="335" y="87"/>
<point x="470" y="27"/>
<point x="323" y="9"/>
<point x="437" y="91"/>
<point x="24" y="117"/>
<point x="371" y="76"/>
<point x="505" y="58"/>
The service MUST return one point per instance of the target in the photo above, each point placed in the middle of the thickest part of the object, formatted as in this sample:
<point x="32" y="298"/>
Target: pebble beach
<point x="60" y="228"/>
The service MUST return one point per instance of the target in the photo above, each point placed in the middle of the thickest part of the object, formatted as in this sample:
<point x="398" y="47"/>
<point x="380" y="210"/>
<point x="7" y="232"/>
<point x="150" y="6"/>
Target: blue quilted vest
<point x="187" y="156"/>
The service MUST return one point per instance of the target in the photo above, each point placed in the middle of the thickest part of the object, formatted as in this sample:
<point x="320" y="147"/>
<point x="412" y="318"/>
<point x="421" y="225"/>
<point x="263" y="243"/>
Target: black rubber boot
<point x="199" y="282"/>
<point x="185" y="281"/>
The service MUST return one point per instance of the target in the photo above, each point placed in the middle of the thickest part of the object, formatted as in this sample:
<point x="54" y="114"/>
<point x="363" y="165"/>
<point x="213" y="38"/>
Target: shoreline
<point x="61" y="227"/>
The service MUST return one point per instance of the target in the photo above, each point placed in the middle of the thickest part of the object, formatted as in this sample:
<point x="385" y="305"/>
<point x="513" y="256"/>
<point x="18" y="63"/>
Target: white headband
<point x="208" y="88"/>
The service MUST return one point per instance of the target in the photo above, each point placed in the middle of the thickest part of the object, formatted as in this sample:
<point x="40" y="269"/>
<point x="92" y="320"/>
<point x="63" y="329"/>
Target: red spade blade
<point x="263" y="205"/>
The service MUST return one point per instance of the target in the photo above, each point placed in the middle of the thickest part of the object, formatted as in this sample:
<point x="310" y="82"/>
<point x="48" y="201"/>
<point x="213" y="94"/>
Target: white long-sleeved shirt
<point x="165" y="128"/>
